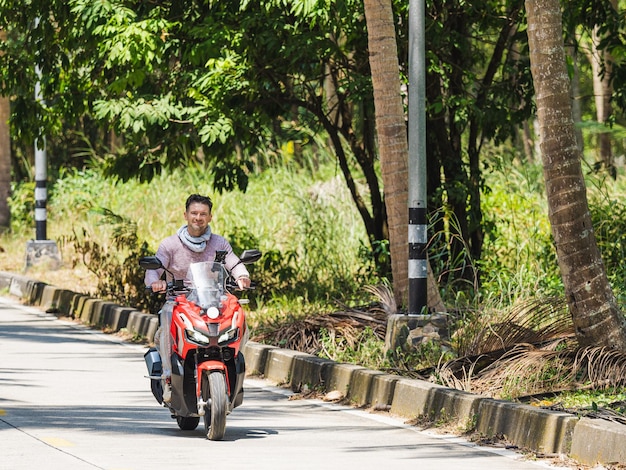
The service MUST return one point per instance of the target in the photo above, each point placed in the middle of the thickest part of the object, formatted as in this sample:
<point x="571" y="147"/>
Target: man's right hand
<point x="159" y="286"/>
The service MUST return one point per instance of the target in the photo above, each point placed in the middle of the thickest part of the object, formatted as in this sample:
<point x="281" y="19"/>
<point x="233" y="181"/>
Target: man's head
<point x="198" y="214"/>
<point x="206" y="200"/>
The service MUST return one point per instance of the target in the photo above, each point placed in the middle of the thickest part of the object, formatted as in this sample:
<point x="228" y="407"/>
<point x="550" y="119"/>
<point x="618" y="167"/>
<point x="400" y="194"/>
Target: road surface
<point x="75" y="399"/>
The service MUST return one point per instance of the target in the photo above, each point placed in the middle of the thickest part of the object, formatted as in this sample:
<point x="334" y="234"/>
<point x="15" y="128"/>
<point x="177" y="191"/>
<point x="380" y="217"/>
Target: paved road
<point x="74" y="399"/>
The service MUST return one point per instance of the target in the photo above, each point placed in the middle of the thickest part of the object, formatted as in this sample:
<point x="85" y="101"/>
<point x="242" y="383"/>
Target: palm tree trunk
<point x="391" y="131"/>
<point x="596" y="317"/>
<point x="601" y="67"/>
<point x="5" y="159"/>
<point x="603" y="91"/>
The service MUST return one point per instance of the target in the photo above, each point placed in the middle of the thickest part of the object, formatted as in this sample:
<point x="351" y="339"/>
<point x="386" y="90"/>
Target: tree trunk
<point x="601" y="65"/>
<point x="577" y="113"/>
<point x="597" y="319"/>
<point x="5" y="159"/>
<point x="391" y="131"/>
<point x="392" y="143"/>
<point x="5" y="164"/>
<point x="601" y="68"/>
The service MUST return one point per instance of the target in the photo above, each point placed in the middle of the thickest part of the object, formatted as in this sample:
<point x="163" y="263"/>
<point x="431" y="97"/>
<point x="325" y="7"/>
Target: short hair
<point x="206" y="200"/>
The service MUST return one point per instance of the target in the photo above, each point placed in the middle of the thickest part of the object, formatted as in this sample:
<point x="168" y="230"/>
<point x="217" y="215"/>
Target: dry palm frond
<point x="384" y="293"/>
<point x="526" y="370"/>
<point x="348" y="322"/>
<point x="545" y="324"/>
<point x="532" y="322"/>
<point x="522" y="370"/>
<point x="598" y="412"/>
<point x="602" y="367"/>
<point x="529" y="350"/>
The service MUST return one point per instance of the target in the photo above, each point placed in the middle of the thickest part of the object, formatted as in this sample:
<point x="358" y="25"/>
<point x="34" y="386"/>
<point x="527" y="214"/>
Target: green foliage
<point x="613" y="398"/>
<point x="367" y="350"/>
<point x="116" y="265"/>
<point x="520" y="259"/>
<point x="456" y="267"/>
<point x="309" y="233"/>
<point x="22" y="205"/>
<point x="608" y="214"/>
<point x="376" y="259"/>
<point x="178" y="82"/>
<point x="422" y="357"/>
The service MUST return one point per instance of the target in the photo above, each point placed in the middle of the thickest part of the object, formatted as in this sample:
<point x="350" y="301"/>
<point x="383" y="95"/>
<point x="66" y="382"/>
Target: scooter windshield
<point x="207" y="280"/>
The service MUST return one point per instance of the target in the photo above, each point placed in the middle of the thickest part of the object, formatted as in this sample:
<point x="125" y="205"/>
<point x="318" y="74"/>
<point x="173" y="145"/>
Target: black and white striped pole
<point x="41" y="175"/>
<point x="418" y="234"/>
<point x="41" y="249"/>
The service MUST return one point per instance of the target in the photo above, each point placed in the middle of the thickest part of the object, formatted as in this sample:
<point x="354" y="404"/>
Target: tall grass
<point x="519" y="260"/>
<point x="304" y="222"/>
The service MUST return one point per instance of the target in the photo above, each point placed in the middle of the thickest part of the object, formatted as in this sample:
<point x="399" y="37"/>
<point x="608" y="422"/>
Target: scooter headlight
<point x="197" y="337"/>
<point x="228" y="336"/>
<point x="212" y="312"/>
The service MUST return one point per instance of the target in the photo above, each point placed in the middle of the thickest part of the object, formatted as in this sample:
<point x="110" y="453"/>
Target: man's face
<point x="198" y="217"/>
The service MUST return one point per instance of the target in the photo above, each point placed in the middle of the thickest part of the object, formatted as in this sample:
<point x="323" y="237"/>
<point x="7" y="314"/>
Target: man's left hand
<point x="243" y="283"/>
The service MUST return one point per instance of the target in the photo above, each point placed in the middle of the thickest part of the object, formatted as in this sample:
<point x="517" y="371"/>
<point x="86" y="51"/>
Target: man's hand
<point x="159" y="286"/>
<point x="243" y="283"/>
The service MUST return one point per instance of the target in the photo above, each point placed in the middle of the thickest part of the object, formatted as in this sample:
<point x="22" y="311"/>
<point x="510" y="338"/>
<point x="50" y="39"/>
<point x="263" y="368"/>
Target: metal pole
<point x="41" y="175"/>
<point x="41" y="170"/>
<point x="41" y="249"/>
<point x="418" y="237"/>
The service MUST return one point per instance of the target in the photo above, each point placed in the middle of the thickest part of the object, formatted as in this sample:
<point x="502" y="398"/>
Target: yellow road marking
<point x="57" y="442"/>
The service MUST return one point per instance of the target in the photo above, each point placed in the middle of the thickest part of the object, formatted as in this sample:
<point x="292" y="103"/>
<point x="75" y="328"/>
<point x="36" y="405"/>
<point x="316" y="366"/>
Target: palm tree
<point x="591" y="302"/>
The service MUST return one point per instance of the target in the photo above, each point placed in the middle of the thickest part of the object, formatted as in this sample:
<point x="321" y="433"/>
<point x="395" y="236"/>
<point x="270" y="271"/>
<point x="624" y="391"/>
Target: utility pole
<point x="41" y="249"/>
<point x="41" y="175"/>
<point x="418" y="227"/>
<point x="406" y="330"/>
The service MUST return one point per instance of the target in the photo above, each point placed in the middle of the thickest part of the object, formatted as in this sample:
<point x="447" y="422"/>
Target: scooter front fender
<point x="210" y="366"/>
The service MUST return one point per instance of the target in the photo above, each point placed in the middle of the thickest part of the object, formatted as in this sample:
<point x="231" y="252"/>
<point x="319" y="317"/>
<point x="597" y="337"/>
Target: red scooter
<point x="208" y="329"/>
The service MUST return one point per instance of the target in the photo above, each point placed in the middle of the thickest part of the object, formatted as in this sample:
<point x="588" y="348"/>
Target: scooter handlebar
<point x="232" y="285"/>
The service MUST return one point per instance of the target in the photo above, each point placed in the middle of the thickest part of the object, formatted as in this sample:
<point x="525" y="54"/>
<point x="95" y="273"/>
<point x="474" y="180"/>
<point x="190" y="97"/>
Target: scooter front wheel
<point x="215" y="415"/>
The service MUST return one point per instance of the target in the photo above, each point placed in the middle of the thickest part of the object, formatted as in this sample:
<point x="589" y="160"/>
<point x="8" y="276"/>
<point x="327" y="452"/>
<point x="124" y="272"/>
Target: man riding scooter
<point x="194" y="242"/>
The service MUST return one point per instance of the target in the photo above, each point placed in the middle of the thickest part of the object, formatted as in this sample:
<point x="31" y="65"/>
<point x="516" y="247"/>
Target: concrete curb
<point x="90" y="311"/>
<point x="588" y="441"/>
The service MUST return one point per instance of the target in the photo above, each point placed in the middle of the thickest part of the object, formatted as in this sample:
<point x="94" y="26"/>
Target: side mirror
<point x="150" y="262"/>
<point x="250" y="256"/>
